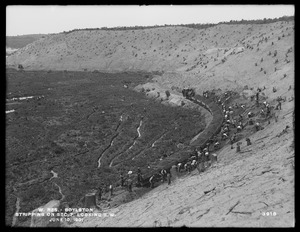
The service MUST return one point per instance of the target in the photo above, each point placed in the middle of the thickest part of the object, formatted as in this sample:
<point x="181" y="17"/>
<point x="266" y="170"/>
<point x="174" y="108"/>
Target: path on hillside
<point x="59" y="189"/>
<point x="138" y="136"/>
<point x="109" y="145"/>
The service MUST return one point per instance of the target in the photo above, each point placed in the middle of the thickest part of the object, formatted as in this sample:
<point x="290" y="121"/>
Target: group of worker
<point x="203" y="157"/>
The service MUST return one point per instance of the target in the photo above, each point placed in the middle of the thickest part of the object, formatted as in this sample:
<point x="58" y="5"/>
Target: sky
<point x="23" y="20"/>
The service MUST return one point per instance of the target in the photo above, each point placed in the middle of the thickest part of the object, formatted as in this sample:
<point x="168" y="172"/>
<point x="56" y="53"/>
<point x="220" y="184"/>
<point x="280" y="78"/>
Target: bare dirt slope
<point x="257" y="181"/>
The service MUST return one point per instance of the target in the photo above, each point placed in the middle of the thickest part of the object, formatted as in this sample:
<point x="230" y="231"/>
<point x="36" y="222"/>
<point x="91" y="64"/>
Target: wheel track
<point x="110" y="144"/>
<point x="111" y="141"/>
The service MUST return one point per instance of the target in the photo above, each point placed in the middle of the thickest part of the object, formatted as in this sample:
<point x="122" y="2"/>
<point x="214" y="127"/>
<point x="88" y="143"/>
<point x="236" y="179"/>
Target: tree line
<point x="192" y="25"/>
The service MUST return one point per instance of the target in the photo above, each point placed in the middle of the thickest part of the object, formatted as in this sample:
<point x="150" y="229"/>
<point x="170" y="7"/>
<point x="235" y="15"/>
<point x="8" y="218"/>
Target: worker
<point x="122" y="179"/>
<point x="206" y="155"/>
<point x="179" y="167"/>
<point x="265" y="103"/>
<point x="163" y="173"/>
<point x="239" y="128"/>
<point x="216" y="145"/>
<point x="189" y="166"/>
<point x="257" y="126"/>
<point x="151" y="180"/>
<point x="185" y="167"/>
<point x="224" y="136"/>
<point x="169" y="178"/>
<point x="111" y="190"/>
<point x="278" y="105"/>
<point x="139" y="178"/>
<point x="193" y="164"/>
<point x="213" y="158"/>
<point x="248" y="142"/>
<point x="129" y="184"/>
<point x="173" y="172"/>
<point x="268" y="111"/>
<point x="257" y="97"/>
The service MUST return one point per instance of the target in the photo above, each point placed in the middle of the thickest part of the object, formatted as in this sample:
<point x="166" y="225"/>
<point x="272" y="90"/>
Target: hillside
<point x="224" y="57"/>
<point x="20" y="41"/>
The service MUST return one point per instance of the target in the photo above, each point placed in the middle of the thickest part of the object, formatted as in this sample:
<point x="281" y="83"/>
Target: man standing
<point x="257" y="126"/>
<point x="169" y="178"/>
<point x="122" y="179"/>
<point x="163" y="173"/>
<point x="268" y="111"/>
<point x="279" y="104"/>
<point x="129" y="184"/>
<point x="173" y="172"/>
<point x="151" y="180"/>
<point x="111" y="190"/>
<point x="189" y="166"/>
<point x="179" y="167"/>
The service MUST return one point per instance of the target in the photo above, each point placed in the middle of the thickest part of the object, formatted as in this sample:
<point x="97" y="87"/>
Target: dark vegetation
<point x="21" y="40"/>
<point x="192" y="25"/>
<point x="77" y="122"/>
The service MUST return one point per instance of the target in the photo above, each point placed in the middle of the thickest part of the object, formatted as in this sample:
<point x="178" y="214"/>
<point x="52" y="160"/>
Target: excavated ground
<point x="254" y="188"/>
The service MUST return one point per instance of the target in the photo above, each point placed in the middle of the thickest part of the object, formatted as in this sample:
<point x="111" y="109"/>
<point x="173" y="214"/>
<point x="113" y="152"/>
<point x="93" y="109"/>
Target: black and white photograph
<point x="147" y="116"/>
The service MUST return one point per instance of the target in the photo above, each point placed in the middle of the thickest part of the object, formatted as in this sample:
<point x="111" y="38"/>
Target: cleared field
<point x="84" y="128"/>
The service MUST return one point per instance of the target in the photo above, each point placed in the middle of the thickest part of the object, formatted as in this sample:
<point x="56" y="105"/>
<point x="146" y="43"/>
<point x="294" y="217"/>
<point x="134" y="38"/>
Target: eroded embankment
<point x="214" y="127"/>
<point x="211" y="129"/>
